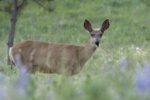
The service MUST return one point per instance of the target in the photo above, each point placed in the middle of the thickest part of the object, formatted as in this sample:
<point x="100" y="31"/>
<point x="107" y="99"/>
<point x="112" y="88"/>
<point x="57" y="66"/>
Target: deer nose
<point x="97" y="43"/>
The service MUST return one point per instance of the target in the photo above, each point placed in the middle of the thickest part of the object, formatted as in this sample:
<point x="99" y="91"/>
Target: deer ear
<point x="105" y="25"/>
<point x="87" y="25"/>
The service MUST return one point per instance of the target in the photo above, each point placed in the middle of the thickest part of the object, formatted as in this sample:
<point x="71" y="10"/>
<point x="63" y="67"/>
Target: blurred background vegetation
<point x="119" y="69"/>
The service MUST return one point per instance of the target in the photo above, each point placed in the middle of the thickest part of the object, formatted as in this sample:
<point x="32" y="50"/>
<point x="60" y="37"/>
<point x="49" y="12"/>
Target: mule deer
<point x="54" y="57"/>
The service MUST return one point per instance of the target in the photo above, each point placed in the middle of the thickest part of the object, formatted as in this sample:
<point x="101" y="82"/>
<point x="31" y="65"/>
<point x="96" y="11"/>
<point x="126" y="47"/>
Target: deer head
<point x="96" y="34"/>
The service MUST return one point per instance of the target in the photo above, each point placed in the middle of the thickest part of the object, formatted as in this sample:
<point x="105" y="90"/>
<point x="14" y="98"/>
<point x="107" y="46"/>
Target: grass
<point x="118" y="70"/>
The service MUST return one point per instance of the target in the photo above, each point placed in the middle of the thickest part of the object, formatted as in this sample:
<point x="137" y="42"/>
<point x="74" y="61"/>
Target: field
<point x="118" y="70"/>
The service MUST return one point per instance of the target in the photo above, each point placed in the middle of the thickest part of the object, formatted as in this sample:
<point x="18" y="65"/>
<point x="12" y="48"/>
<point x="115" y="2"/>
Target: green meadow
<point x="118" y="70"/>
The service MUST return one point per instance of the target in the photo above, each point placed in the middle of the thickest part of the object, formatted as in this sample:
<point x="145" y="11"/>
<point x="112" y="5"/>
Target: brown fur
<point x="52" y="57"/>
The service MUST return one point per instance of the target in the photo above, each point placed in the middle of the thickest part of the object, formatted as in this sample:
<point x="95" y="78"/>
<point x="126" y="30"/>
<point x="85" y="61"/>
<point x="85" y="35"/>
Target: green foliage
<point x="146" y="2"/>
<point x="111" y="73"/>
<point x="7" y="5"/>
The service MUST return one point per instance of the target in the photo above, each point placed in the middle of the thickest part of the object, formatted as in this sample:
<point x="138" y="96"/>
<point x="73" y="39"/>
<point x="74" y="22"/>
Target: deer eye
<point x="92" y="35"/>
<point x="100" y="35"/>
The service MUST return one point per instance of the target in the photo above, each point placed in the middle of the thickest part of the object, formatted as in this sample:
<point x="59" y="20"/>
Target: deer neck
<point x="87" y="51"/>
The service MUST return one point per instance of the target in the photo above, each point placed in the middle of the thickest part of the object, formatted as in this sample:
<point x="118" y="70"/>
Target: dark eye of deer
<point x="100" y="35"/>
<point x="92" y="35"/>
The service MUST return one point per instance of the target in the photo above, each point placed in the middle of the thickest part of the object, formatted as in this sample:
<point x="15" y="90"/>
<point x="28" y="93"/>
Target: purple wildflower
<point x="123" y="62"/>
<point x="3" y="92"/>
<point x="1" y="96"/>
<point x="80" y="92"/>
<point x="123" y="65"/>
<point x="143" y="78"/>
<point x="49" y="81"/>
<point x="1" y="77"/>
<point x="50" y="95"/>
<point x="18" y="61"/>
<point x="108" y="67"/>
<point x="23" y="72"/>
<point x="22" y="82"/>
<point x="23" y="78"/>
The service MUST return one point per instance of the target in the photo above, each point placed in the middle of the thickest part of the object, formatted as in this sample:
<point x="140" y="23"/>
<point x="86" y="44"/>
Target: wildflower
<point x="143" y="78"/>
<point x="23" y="72"/>
<point x="50" y="95"/>
<point x="49" y="81"/>
<point x="108" y="67"/>
<point x="18" y="61"/>
<point x="80" y="92"/>
<point x="3" y="92"/>
<point x="1" y="77"/>
<point x="1" y="96"/>
<point x="123" y="62"/>
<point x="23" y="78"/>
